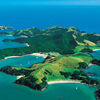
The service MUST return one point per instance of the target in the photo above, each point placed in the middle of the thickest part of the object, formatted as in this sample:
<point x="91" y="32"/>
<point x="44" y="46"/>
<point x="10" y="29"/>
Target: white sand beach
<point x="34" y="54"/>
<point x="24" y="36"/>
<point x="90" y="65"/>
<point x="27" y="45"/>
<point x="40" y="55"/>
<point x="96" y="49"/>
<point x="63" y="81"/>
<point x="20" y="76"/>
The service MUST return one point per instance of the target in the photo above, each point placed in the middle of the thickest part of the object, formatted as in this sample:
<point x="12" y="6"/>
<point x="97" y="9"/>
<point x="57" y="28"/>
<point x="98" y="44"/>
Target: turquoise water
<point x="4" y="45"/>
<point x="24" y="61"/>
<point x="95" y="68"/>
<point x="96" y="54"/>
<point x="10" y="91"/>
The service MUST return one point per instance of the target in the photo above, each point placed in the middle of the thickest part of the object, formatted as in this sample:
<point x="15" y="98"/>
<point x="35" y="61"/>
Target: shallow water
<point x="10" y="91"/>
<point x="95" y="68"/>
<point x="4" y="45"/>
<point x="24" y="61"/>
<point x="96" y="54"/>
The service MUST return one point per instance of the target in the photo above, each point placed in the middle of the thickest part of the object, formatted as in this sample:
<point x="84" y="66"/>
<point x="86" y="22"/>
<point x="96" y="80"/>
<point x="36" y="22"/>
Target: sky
<point x="49" y="2"/>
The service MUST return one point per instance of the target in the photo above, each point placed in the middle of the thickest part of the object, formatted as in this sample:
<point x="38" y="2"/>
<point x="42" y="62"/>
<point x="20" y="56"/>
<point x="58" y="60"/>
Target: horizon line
<point x="55" y="3"/>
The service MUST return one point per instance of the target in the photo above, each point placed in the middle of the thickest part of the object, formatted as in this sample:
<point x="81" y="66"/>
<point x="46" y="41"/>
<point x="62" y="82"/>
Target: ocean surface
<point x="85" y="18"/>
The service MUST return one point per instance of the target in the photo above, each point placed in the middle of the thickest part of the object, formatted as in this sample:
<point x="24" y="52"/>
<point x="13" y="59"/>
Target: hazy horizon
<point x="48" y="2"/>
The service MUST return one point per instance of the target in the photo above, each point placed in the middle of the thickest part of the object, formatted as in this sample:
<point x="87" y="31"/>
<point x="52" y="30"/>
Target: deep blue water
<point x="86" y="18"/>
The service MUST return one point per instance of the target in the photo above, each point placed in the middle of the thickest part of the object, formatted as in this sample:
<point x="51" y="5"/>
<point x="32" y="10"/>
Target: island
<point x="6" y="28"/>
<point x="68" y="55"/>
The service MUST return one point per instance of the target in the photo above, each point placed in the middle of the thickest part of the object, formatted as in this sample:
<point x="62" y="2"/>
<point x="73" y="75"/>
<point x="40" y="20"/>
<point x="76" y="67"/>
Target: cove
<point x="11" y="91"/>
<point x="24" y="61"/>
<point x="4" y="45"/>
<point x="95" y="68"/>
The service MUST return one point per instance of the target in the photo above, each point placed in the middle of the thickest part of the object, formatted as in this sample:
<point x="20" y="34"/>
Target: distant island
<point x="6" y="28"/>
<point x="68" y="55"/>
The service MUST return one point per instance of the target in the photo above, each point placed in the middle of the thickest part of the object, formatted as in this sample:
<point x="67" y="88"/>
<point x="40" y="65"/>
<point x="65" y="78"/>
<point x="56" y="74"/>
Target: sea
<point x="86" y="18"/>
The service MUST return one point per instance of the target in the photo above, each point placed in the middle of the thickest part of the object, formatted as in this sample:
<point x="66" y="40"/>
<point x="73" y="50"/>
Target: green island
<point x="68" y="52"/>
<point x="6" y="28"/>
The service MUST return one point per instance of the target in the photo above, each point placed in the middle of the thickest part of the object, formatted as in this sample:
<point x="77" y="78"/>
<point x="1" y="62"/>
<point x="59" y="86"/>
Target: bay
<point x="95" y="68"/>
<point x="4" y="45"/>
<point x="10" y="91"/>
<point x="24" y="61"/>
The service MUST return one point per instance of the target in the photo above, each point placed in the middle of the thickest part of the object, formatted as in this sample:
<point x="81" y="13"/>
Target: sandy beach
<point x="63" y="81"/>
<point x="20" y="76"/>
<point x="33" y="54"/>
<point x="96" y="49"/>
<point x="90" y="65"/>
<point x="39" y="54"/>
<point x="27" y="45"/>
<point x="24" y="36"/>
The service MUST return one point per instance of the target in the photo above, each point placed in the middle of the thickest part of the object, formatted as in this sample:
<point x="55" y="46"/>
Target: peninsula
<point x="67" y="53"/>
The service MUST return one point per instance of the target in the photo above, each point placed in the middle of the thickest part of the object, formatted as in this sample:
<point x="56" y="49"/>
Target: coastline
<point x="90" y="65"/>
<point x="20" y="76"/>
<point x="33" y="54"/>
<point x="64" y="81"/>
<point x="27" y="44"/>
<point x="96" y="49"/>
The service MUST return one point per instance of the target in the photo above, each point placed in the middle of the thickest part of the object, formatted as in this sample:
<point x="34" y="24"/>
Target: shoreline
<point x="20" y="76"/>
<point x="90" y="65"/>
<point x="27" y="44"/>
<point x="33" y="54"/>
<point x="96" y="49"/>
<point x="63" y="81"/>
